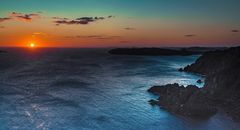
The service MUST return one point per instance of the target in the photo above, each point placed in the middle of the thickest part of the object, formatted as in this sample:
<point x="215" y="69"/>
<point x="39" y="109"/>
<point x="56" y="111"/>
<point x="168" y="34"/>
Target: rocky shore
<point x="220" y="92"/>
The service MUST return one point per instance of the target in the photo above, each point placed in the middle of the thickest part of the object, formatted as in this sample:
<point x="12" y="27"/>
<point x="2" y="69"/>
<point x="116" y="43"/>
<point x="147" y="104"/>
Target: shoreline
<point x="220" y="91"/>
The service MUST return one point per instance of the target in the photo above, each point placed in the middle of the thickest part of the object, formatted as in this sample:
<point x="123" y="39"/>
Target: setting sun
<point x="32" y="45"/>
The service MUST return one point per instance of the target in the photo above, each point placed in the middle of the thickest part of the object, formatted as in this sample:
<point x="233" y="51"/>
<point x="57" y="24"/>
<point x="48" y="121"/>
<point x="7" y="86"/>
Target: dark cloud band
<point x="190" y="35"/>
<point x="129" y="28"/>
<point x="100" y="37"/>
<point x="235" y="31"/>
<point x="77" y="21"/>
<point x="24" y="17"/>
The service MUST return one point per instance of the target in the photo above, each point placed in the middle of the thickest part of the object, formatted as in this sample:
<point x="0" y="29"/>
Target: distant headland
<point x="162" y="51"/>
<point x="3" y="51"/>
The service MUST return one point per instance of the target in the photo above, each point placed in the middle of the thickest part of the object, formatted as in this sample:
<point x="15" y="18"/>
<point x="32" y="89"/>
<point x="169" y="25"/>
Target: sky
<point x="119" y="23"/>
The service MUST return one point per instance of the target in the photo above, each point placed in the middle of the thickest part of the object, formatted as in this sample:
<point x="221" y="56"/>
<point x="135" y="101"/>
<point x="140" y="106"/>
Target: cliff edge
<point x="220" y="92"/>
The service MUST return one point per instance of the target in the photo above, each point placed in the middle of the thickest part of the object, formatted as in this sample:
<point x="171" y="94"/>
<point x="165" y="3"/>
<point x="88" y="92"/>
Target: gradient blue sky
<point x="149" y="22"/>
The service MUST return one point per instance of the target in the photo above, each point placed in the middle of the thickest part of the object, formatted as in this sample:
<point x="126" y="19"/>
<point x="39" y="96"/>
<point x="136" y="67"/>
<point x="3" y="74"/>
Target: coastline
<point x="220" y="91"/>
<point x="162" y="51"/>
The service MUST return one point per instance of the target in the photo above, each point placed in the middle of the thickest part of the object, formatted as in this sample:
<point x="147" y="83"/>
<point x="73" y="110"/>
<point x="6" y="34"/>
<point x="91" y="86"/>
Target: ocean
<point x="89" y="89"/>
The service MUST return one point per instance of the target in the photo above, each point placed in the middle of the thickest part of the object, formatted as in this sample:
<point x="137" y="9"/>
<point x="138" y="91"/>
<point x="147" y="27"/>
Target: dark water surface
<point x="88" y="89"/>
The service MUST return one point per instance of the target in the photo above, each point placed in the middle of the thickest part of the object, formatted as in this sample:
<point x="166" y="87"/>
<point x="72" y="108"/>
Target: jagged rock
<point x="199" y="81"/>
<point x="153" y="102"/>
<point x="178" y="99"/>
<point x="221" y="89"/>
<point x="222" y="83"/>
<point x="181" y="69"/>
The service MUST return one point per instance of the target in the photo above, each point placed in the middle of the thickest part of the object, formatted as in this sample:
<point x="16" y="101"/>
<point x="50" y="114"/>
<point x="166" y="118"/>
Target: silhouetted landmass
<point x="3" y="51"/>
<point x="161" y="51"/>
<point x="220" y="92"/>
<point x="183" y="101"/>
<point x="204" y="49"/>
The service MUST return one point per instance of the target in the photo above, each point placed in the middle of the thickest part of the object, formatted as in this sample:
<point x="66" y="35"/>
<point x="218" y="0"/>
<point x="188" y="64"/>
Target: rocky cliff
<point x="220" y="92"/>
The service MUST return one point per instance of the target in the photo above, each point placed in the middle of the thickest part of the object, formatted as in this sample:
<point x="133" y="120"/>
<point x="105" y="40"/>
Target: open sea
<point x="89" y="89"/>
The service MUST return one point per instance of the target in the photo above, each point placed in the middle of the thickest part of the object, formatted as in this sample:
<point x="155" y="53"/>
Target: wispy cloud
<point x="190" y="35"/>
<point x="235" y="31"/>
<point x="78" y="21"/>
<point x="59" y="18"/>
<point x="90" y="36"/>
<point x="21" y="17"/>
<point x="4" y="19"/>
<point x="1" y="27"/>
<point x="130" y="29"/>
<point x="99" y="37"/>
<point x="38" y="34"/>
<point x="24" y="17"/>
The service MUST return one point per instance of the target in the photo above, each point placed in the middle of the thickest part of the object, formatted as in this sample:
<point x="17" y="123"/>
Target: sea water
<point x="89" y="89"/>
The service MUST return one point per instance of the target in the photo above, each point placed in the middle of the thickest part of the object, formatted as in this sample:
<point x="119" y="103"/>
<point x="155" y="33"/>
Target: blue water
<point x="88" y="89"/>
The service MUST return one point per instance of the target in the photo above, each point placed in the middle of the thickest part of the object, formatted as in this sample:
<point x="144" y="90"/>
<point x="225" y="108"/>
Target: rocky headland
<point x="3" y="51"/>
<point x="221" y="90"/>
<point x="161" y="51"/>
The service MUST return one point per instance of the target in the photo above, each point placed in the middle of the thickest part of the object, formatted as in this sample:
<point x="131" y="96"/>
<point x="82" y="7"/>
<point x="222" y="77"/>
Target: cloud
<point x="99" y="37"/>
<point x="59" y="18"/>
<point x="40" y="12"/>
<point x="235" y="31"/>
<point x="1" y="27"/>
<point x="70" y="22"/>
<point x="128" y="28"/>
<point x="78" y="21"/>
<point x="90" y="19"/>
<point x="190" y="35"/>
<point x="90" y="36"/>
<point x="39" y="34"/>
<point x="108" y="37"/>
<point x="111" y="16"/>
<point x="4" y="19"/>
<point x="21" y="17"/>
<point x="25" y="17"/>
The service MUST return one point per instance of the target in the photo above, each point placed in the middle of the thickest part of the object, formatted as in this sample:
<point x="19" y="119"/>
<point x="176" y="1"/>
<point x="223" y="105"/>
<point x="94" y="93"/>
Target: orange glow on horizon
<point x="32" y="45"/>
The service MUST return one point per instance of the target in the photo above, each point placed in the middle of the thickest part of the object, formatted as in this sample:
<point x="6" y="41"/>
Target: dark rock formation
<point x="179" y="100"/>
<point x="221" y="89"/>
<point x="153" y="102"/>
<point x="199" y="81"/>
<point x="181" y="69"/>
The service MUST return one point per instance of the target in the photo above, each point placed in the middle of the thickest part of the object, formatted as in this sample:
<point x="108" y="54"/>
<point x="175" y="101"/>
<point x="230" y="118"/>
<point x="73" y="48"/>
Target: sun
<point x="32" y="45"/>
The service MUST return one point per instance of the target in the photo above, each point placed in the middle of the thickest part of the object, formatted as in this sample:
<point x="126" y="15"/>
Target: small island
<point x="220" y="92"/>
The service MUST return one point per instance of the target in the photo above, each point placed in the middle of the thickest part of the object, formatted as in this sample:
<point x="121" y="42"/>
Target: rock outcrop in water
<point x="183" y="101"/>
<point x="220" y="92"/>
